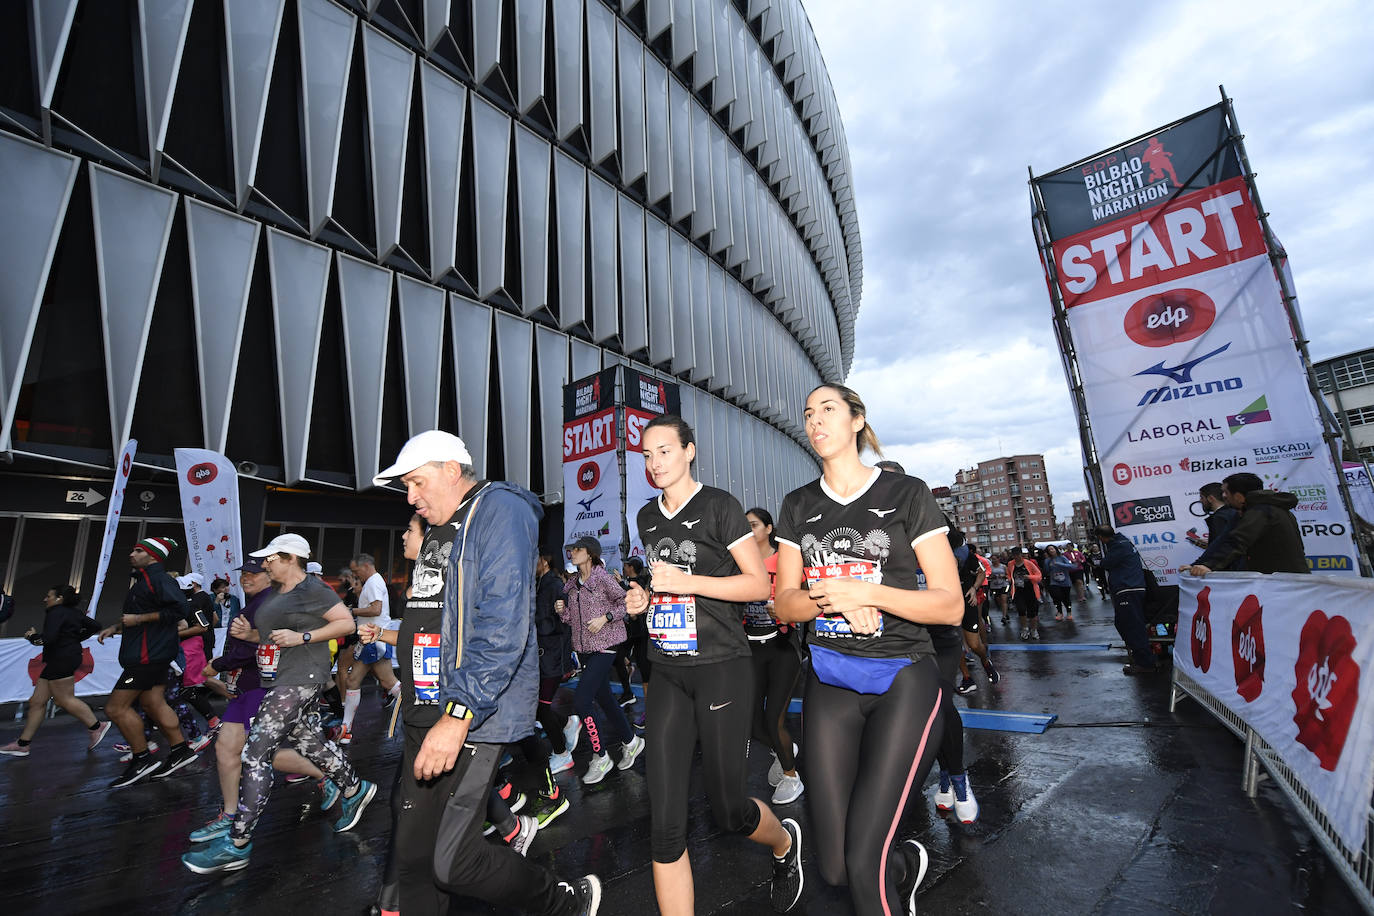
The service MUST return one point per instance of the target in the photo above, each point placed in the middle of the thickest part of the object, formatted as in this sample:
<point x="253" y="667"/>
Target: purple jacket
<point x="241" y="655"/>
<point x="583" y="602"/>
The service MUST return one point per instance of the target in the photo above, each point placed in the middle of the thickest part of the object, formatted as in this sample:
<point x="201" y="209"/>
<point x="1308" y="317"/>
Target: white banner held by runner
<point x="1291" y="655"/>
<point x="112" y="512"/>
<point x="209" y="486"/>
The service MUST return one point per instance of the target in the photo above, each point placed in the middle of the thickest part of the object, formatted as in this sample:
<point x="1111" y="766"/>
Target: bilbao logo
<point x="1144" y="511"/>
<point x="1247" y="648"/>
<point x="1173" y="316"/>
<point x="588" y="476"/>
<point x="201" y="474"/>
<point x="1123" y="473"/>
<point x="1202" y="631"/>
<point x="1328" y="686"/>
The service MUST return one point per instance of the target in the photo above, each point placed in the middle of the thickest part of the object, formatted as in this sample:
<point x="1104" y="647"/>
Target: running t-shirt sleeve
<point x="731" y="521"/>
<point x="785" y="531"/>
<point x="922" y="518"/>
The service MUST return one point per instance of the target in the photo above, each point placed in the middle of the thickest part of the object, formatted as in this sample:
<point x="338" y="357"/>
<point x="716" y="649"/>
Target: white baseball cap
<point x="313" y="568"/>
<point x="285" y="543"/>
<point x="190" y="579"/>
<point x="430" y="445"/>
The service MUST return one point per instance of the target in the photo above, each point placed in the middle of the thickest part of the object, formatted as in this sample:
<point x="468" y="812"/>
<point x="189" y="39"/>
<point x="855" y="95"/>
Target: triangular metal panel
<point x="486" y="38"/>
<point x="703" y="21"/>
<point x="720" y="338"/>
<point x="35" y="188"/>
<point x="660" y="289"/>
<point x="724" y="91"/>
<point x="658" y="15"/>
<point x="601" y="80"/>
<point x="223" y="248"/>
<point x="722" y="234"/>
<point x="299" y="273"/>
<point x="326" y="40"/>
<point x="491" y="154"/>
<point x="633" y="142"/>
<point x="633" y="281"/>
<point x="445" y="103"/>
<point x="532" y="155"/>
<point x="390" y="76"/>
<point x="703" y="368"/>
<point x="529" y="52"/>
<point x="586" y="358"/>
<point x="659" y="163"/>
<point x="684" y="36"/>
<point x="680" y="266"/>
<point x="133" y="221"/>
<point x="422" y="349"/>
<point x="251" y="28"/>
<point x="552" y="352"/>
<point x="567" y="57"/>
<point x="601" y="210"/>
<point x="515" y="349"/>
<point x="52" y="24"/>
<point x="704" y="211"/>
<point x="470" y="328"/>
<point x="743" y="48"/>
<point x="570" y="195"/>
<point x="365" y="297"/>
<point x="680" y="118"/>
<point x="436" y="13"/>
<point x="163" y="26"/>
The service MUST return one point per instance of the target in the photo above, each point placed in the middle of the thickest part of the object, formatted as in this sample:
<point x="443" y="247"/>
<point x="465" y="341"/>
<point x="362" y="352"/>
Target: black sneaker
<point x="967" y="685"/>
<point x="917" y="863"/>
<point x="787" y="871"/>
<point x="993" y="675"/>
<point x="136" y="770"/>
<point x="177" y="758"/>
<point x="587" y="891"/>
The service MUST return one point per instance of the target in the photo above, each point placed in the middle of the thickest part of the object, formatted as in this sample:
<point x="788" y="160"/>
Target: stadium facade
<point x="298" y="231"/>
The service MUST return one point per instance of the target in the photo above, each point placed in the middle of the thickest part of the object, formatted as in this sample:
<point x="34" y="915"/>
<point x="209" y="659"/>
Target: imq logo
<point x="201" y="474"/>
<point x="1144" y="511"/>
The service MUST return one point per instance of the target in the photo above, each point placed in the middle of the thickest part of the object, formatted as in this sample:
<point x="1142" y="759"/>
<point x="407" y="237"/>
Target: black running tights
<point x="951" y="748"/>
<point x="776" y="668"/>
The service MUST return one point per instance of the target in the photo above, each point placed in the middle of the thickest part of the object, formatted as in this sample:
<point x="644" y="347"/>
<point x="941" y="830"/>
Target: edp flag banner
<point x="591" y="467"/>
<point x="121" y="480"/>
<point x="209" y="487"/>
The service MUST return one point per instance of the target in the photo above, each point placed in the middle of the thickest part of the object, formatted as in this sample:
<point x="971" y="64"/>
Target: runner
<point x="297" y="621"/>
<point x="562" y="730"/>
<point x="64" y="629"/>
<point x="636" y="647"/>
<point x="703" y="566"/>
<point x="777" y="666"/>
<point x="1075" y="556"/>
<point x="857" y="537"/>
<point x="356" y="662"/>
<point x="1057" y="569"/>
<point x="997" y="584"/>
<point x="1024" y="577"/>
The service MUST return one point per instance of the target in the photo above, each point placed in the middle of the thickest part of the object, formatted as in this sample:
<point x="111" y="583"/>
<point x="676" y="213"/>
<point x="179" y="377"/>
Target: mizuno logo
<point x="715" y="706"/>
<point x="1182" y="374"/>
<point x="815" y="518"/>
<point x="882" y="513"/>
<point x="688" y="525"/>
<point x="586" y="504"/>
<point x="654" y="528"/>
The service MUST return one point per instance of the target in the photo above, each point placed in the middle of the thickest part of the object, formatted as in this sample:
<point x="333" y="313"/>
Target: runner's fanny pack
<point x="853" y="672"/>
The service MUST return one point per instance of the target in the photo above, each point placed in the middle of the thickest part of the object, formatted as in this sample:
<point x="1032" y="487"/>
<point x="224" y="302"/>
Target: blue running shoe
<point x="213" y="830"/>
<point x="329" y="793"/>
<point x="216" y="856"/>
<point x="353" y="808"/>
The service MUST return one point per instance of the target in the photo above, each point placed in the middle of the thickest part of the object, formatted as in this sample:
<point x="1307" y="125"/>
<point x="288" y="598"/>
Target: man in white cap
<point x="470" y="670"/>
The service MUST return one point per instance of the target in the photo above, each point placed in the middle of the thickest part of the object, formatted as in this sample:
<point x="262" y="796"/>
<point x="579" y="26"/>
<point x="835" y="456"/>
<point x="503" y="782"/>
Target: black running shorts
<point x="142" y="677"/>
<point x="973" y="620"/>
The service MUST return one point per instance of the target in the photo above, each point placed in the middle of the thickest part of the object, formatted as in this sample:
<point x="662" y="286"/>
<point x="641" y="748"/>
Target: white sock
<point x="351" y="700"/>
<point x="395" y="690"/>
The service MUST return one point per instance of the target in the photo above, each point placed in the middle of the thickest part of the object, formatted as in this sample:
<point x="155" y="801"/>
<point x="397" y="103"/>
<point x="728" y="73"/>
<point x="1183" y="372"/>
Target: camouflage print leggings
<point x="287" y="715"/>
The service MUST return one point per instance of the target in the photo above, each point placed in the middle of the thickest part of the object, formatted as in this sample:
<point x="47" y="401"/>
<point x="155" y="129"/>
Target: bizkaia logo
<point x="1202" y="631"/>
<point x="1123" y="474"/>
<point x="1247" y="648"/>
<point x="1256" y="412"/>
<point x="1328" y="686"/>
<point x="201" y="474"/>
<point x="1182" y="377"/>
<point x="1173" y="316"/>
<point x="1144" y="511"/>
<point x="1199" y="465"/>
<point x="1192" y="432"/>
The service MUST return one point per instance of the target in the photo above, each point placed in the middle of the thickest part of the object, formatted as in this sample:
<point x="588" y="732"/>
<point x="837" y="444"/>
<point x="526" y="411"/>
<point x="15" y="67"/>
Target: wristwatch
<point x="305" y="637"/>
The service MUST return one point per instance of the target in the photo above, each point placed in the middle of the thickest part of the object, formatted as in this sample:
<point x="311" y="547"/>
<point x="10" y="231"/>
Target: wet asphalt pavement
<point x="1119" y="808"/>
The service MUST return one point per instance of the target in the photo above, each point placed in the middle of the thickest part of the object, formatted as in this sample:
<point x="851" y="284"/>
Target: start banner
<point x="209" y="487"/>
<point x="1188" y="361"/>
<point x="1291" y="656"/>
<point x="591" y="467"/>
<point x="645" y="398"/>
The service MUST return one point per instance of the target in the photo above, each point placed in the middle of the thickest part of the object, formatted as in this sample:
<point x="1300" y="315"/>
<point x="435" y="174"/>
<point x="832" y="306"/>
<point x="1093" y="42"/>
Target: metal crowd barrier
<point x="1356" y="868"/>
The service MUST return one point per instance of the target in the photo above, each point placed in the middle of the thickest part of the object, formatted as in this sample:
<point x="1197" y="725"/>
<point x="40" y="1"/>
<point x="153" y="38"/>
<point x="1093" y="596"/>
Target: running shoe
<point x="294" y="778"/>
<point x="513" y="799"/>
<point x="1006" y="620"/>
<point x="1025" y="635"/>
<point x="1058" y="616"/>
<point x="775" y="771"/>
<point x="571" y="731"/>
<point x="790" y="788"/>
<point x="965" y="805"/>
<point x="630" y="752"/>
<point x="126" y="754"/>
<point x="199" y="744"/>
<point x="352" y="808"/>
<point x="345" y="735"/>
<point x="597" y="769"/>
<point x="177" y="757"/>
<point x="560" y="762"/>
<point x="551" y="809"/>
<point x="587" y="892"/>
<point x="388" y="700"/>
<point x="992" y="673"/>
<point x="1035" y="634"/>
<point x="15" y="749"/>
<point x="915" y="871"/>
<point x="524" y="836"/>
<point x="787" y="871"/>
<point x="216" y="856"/>
<point x="628" y="699"/>
<point x="1134" y="670"/>
<point x="98" y="734"/>
<point x="639" y="721"/>
<point x="967" y="686"/>
<point x="329" y="793"/>
<point x="488" y="828"/>
<point x="136" y="770"/>
<point x="213" y="830"/>
<point x="944" y="795"/>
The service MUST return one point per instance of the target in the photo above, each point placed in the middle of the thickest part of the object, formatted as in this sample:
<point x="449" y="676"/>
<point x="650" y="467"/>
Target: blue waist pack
<point x="853" y="672"/>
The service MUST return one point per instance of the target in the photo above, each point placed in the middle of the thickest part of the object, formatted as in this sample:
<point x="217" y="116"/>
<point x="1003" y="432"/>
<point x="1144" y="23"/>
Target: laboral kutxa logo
<point x="1183" y="385"/>
<point x="1144" y="511"/>
<point x="1256" y="412"/>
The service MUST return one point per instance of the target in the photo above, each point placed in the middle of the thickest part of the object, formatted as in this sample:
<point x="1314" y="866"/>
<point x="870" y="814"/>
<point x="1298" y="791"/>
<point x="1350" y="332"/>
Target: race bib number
<point x="1021" y="581"/>
<point x="230" y="679"/>
<point x="424" y="668"/>
<point x="269" y="654"/>
<point x="673" y="623"/>
<point x="834" y="626"/>
<point x="759" y="614"/>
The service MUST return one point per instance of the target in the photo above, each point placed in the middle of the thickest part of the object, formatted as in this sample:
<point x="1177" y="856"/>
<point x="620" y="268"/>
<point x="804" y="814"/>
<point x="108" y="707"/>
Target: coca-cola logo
<point x="1328" y="686"/>
<point x="1173" y="316"/>
<point x="588" y="476"/>
<point x="201" y="474"/>
<point x="1202" y="631"/>
<point x="1247" y="648"/>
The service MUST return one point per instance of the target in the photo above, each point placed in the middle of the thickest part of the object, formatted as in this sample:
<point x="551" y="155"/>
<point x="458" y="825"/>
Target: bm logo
<point x="1328" y="563"/>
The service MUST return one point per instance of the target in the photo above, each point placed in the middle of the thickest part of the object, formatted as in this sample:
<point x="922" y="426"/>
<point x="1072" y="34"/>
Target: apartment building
<point x="1005" y="502"/>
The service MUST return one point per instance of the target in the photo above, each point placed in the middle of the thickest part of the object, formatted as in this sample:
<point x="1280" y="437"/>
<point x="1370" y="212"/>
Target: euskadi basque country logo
<point x="1173" y="316"/>
<point x="1144" y="511"/>
<point x="1283" y="451"/>
<point x="1256" y="412"/>
<point x="1182" y="376"/>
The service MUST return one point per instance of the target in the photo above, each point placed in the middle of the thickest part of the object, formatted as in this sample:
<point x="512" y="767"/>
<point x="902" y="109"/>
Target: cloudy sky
<point x="945" y="106"/>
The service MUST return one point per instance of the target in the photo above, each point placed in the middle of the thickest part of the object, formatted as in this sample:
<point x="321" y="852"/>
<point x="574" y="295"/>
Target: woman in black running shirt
<point x="851" y="544"/>
<point x="704" y="566"/>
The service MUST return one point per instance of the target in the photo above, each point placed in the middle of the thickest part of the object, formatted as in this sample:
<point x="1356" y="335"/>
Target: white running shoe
<point x="560" y="762"/>
<point x="965" y="805"/>
<point x="789" y="790"/>
<point x="571" y="731"/>
<point x="944" y="795"/>
<point x="598" y="768"/>
<point x="775" y="771"/>
<point x="907" y="888"/>
<point x="126" y="754"/>
<point x="525" y="836"/>
<point x="631" y="751"/>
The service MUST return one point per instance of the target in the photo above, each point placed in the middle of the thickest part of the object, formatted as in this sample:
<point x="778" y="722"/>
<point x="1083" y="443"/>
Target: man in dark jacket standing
<point x="1221" y="518"/>
<point x="148" y="645"/>
<point x="1126" y="580"/>
<point x="1266" y="538"/>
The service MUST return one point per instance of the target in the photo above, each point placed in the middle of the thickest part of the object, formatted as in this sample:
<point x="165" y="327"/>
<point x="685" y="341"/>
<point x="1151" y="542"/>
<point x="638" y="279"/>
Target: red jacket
<point x="1032" y="571"/>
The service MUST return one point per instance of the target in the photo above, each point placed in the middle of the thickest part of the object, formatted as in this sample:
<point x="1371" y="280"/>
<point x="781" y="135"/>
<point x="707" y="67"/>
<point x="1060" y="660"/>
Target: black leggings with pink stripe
<point x="866" y="755"/>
